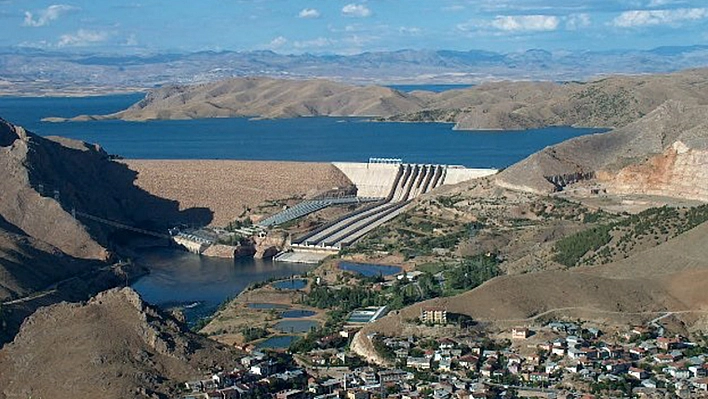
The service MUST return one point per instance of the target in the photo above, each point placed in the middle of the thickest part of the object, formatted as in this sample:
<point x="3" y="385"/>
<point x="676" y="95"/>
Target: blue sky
<point x="347" y="27"/>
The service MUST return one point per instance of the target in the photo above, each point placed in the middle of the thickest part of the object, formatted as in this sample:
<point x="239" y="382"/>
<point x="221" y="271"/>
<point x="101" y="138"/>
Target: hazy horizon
<point x="348" y="27"/>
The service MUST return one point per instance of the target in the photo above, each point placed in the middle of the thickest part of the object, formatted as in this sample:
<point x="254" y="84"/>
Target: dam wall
<point x="191" y="245"/>
<point x="457" y="174"/>
<point x="376" y="180"/>
<point x="371" y="179"/>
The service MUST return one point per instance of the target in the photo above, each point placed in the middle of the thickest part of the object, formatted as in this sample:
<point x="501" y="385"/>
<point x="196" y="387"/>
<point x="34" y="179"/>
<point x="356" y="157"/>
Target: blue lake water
<point x="296" y="313"/>
<point x="178" y="277"/>
<point x="302" y="139"/>
<point x="295" y="326"/>
<point x="369" y="270"/>
<point x="292" y="284"/>
<point x="279" y="342"/>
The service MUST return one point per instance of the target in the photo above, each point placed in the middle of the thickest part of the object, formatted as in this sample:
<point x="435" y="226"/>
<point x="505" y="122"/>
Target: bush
<point x="570" y="250"/>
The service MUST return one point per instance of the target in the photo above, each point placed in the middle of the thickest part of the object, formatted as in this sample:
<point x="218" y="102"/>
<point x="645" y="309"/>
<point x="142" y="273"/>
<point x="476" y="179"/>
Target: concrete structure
<point x="457" y="174"/>
<point x="375" y="179"/>
<point x="433" y="315"/>
<point x="386" y="178"/>
<point x="310" y="206"/>
<point x="370" y="179"/>
<point x="192" y="243"/>
<point x="409" y="182"/>
<point x="367" y="315"/>
<point x="519" y="333"/>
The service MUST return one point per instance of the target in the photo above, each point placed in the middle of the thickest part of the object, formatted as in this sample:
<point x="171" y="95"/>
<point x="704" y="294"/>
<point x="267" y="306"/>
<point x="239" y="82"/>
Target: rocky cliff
<point x="663" y="153"/>
<point x="113" y="346"/>
<point x="45" y="180"/>
<point x="27" y="197"/>
<point x="680" y="171"/>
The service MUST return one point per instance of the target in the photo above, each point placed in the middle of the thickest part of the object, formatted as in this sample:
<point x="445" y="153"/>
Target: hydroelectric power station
<point x="388" y="184"/>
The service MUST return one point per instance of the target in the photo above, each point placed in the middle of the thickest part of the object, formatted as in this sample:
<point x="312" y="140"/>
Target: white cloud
<point x="577" y="21"/>
<point x="413" y="31"/>
<point x="309" y="13"/>
<point x="660" y="3"/>
<point x="131" y="40"/>
<point x="525" y="23"/>
<point x="356" y="10"/>
<point x="314" y="43"/>
<point x="639" y="18"/>
<point x="456" y="7"/>
<point x="279" y="41"/>
<point x="82" y="37"/>
<point x="44" y="17"/>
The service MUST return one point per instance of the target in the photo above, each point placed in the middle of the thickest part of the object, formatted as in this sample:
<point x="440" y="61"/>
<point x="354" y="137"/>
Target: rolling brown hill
<point x="610" y="102"/>
<point x="663" y="153"/>
<point x="44" y="180"/>
<point x="113" y="346"/>
<point x="669" y="277"/>
<point x="268" y="98"/>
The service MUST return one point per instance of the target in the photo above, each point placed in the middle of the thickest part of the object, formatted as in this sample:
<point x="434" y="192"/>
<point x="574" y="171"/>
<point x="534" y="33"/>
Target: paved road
<point x="52" y="288"/>
<point x="663" y="313"/>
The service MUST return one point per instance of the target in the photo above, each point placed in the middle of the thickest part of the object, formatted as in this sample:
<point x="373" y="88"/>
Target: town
<point x="560" y="359"/>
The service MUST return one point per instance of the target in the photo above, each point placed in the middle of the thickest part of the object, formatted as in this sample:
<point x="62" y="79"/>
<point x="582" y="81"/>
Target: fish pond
<point x="369" y="270"/>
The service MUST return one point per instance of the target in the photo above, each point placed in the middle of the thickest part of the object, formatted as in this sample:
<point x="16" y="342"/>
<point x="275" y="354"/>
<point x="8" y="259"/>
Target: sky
<point x="348" y="26"/>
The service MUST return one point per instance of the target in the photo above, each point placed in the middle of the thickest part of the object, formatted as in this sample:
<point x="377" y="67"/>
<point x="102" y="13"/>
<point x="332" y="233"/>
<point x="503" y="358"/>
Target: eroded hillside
<point x="113" y="346"/>
<point x="664" y="153"/>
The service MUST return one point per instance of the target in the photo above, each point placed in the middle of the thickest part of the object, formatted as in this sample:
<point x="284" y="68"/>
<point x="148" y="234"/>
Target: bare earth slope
<point x="226" y="188"/>
<point x="28" y="265"/>
<point x="663" y="153"/>
<point x="670" y="277"/>
<point x="267" y="97"/>
<point x="611" y="102"/>
<point x="119" y="348"/>
<point x="45" y="179"/>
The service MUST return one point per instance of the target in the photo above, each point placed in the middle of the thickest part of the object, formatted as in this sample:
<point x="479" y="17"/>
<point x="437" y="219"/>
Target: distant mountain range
<point x="37" y="72"/>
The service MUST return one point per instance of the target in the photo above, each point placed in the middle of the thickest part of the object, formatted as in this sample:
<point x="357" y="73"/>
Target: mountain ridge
<point x="120" y="347"/>
<point x="25" y="71"/>
<point x="609" y="102"/>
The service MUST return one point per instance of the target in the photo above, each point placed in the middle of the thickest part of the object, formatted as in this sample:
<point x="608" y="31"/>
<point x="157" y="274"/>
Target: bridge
<point x="46" y="191"/>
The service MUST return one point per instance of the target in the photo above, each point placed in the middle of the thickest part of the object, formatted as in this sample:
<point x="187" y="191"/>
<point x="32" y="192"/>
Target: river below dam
<point x="199" y="284"/>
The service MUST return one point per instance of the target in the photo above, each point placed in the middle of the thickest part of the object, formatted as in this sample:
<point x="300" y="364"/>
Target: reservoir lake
<point x="198" y="284"/>
<point x="317" y="139"/>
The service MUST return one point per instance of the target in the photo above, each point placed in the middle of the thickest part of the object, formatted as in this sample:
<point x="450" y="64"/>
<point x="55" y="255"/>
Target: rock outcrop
<point x="113" y="346"/>
<point x="271" y="245"/>
<point x="680" y="172"/>
<point x="664" y="153"/>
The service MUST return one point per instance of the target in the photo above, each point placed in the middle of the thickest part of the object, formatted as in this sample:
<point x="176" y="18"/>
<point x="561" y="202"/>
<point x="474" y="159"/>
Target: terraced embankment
<point x="227" y="188"/>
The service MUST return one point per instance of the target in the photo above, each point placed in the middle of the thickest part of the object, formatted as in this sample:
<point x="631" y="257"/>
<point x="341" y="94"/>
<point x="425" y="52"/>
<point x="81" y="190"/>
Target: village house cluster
<point x="558" y="360"/>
